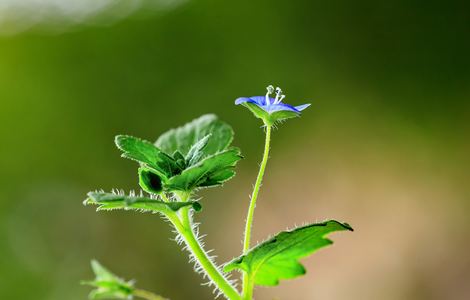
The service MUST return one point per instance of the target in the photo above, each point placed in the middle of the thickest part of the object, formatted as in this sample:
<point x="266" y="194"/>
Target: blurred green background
<point x="385" y="145"/>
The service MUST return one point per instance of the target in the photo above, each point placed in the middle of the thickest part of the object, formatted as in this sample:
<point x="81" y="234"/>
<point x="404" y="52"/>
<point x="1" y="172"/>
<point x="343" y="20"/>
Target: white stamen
<point x="279" y="96"/>
<point x="280" y="99"/>
<point x="270" y="90"/>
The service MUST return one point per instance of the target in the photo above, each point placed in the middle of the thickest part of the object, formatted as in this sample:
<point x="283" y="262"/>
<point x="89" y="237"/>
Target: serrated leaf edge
<point x="235" y="263"/>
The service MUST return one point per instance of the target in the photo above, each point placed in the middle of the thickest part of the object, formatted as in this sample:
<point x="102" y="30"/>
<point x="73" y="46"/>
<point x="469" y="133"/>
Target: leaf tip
<point x="348" y="227"/>
<point x="118" y="139"/>
<point x="344" y="225"/>
<point x="197" y="206"/>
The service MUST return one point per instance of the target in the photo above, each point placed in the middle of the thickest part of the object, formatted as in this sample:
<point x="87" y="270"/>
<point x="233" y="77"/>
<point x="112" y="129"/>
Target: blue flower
<point x="271" y="110"/>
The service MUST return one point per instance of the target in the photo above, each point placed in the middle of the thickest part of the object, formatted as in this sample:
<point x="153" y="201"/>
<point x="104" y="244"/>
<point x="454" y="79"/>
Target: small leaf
<point x="211" y="171"/>
<point x="107" y="285"/>
<point x="102" y="274"/>
<point x="218" y="177"/>
<point x="277" y="258"/>
<point x="180" y="160"/>
<point x="149" y="181"/>
<point x="146" y="153"/>
<point x="184" y="137"/>
<point x="195" y="153"/>
<point x="112" y="201"/>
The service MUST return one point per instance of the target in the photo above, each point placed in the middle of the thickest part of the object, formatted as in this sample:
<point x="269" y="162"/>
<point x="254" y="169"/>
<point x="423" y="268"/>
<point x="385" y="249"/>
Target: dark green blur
<point x="385" y="145"/>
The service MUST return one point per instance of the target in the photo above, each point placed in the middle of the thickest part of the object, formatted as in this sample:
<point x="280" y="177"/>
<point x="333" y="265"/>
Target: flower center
<point x="279" y="95"/>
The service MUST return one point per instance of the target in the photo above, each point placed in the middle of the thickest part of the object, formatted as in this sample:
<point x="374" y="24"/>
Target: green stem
<point x="184" y="227"/>
<point x="147" y="295"/>
<point x="247" y="281"/>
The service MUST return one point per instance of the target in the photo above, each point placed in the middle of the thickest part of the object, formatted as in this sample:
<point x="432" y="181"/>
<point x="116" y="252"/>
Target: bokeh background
<point x="385" y="145"/>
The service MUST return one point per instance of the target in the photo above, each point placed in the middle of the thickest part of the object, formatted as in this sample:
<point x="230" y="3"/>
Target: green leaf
<point x="211" y="171"/>
<point x="180" y="160"/>
<point x="278" y="257"/>
<point x="149" y="181"/>
<point x="196" y="152"/>
<point x="101" y="273"/>
<point x="146" y="153"/>
<point x="112" y="201"/>
<point x="218" y="177"/>
<point x="199" y="151"/>
<point x="184" y="137"/>
<point x="107" y="285"/>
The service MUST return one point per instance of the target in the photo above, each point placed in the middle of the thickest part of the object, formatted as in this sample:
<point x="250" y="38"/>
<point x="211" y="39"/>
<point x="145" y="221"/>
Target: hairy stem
<point x="184" y="227"/>
<point x="247" y="281"/>
<point x="147" y="295"/>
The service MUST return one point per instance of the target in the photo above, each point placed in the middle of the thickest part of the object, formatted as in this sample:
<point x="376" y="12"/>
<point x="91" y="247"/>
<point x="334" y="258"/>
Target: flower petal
<point x="279" y="107"/>
<point x="302" y="107"/>
<point x="244" y="100"/>
<point x="258" y="100"/>
<point x="261" y="100"/>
